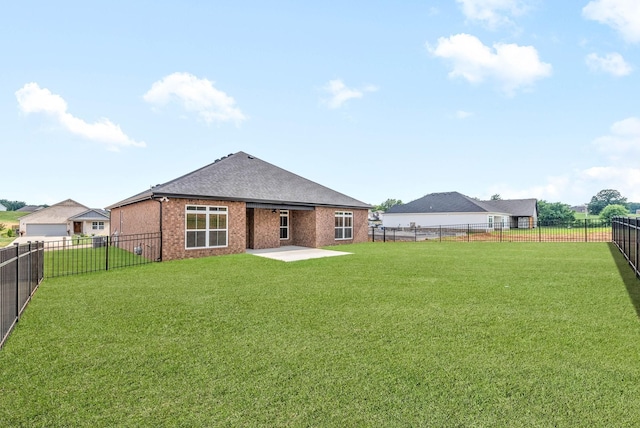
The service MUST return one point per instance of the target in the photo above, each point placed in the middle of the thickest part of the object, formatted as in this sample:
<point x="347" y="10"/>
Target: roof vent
<point x="250" y="157"/>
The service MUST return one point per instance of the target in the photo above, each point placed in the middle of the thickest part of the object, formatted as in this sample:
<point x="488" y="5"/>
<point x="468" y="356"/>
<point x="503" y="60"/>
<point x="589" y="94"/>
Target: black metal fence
<point x="21" y="271"/>
<point x="77" y="255"/>
<point x="588" y="230"/>
<point x="627" y="238"/>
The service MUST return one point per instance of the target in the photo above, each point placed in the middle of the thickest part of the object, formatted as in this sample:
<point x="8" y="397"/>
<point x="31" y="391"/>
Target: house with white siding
<point x="456" y="209"/>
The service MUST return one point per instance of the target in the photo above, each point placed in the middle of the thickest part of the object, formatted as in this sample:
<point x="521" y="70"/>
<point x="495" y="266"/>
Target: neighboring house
<point x="453" y="208"/>
<point x="91" y="222"/>
<point x="64" y="219"/>
<point x="2" y="208"/>
<point x="240" y="202"/>
<point x="29" y="209"/>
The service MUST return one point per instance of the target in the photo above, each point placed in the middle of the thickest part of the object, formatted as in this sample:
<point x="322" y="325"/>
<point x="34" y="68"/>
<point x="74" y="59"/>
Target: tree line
<point x="12" y="205"/>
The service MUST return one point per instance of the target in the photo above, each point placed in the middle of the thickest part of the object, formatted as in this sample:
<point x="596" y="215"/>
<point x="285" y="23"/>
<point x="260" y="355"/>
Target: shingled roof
<point x="455" y="202"/>
<point x="243" y="177"/>
<point x="516" y="207"/>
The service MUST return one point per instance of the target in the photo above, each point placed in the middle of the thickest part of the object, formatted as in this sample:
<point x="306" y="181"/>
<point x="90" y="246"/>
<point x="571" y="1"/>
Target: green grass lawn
<point x="397" y="334"/>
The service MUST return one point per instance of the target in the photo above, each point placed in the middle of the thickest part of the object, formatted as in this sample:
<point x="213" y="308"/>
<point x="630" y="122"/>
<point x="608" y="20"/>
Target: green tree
<point x="606" y="197"/>
<point x="12" y="205"/>
<point x="554" y="211"/>
<point x="611" y="211"/>
<point x="496" y="197"/>
<point x="633" y="206"/>
<point x="387" y="204"/>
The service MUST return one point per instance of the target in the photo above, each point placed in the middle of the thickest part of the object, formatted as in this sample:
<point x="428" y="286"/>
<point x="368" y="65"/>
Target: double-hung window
<point x="206" y="226"/>
<point x="97" y="225"/>
<point x="284" y="224"/>
<point x="344" y="225"/>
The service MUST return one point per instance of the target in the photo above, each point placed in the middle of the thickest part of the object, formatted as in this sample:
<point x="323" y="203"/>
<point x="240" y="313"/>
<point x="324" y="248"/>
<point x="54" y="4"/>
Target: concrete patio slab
<point x="292" y="253"/>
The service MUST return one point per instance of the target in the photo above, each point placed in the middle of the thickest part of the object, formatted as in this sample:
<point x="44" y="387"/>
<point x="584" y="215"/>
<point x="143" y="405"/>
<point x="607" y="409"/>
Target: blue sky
<point x="377" y="100"/>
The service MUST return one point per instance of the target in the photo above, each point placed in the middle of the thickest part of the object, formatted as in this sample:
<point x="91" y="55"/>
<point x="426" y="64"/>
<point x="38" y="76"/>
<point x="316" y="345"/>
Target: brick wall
<point x="306" y="228"/>
<point x="174" y="222"/>
<point x="325" y="226"/>
<point x="266" y="228"/>
<point x="302" y="229"/>
<point x="143" y="217"/>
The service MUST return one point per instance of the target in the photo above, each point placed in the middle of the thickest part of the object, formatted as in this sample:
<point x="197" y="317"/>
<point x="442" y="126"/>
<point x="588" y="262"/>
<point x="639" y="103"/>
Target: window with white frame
<point x="344" y="225"/>
<point x="490" y="222"/>
<point x="97" y="225"/>
<point x="284" y="224"/>
<point x="206" y="226"/>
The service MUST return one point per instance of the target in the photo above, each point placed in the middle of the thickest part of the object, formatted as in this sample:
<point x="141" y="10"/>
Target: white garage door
<point x="46" y="230"/>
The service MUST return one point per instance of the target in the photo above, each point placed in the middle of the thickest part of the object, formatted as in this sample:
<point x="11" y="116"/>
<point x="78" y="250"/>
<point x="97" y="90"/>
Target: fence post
<point x="30" y="261"/>
<point x="539" y="233"/>
<point x="384" y="234"/>
<point x="415" y="234"/>
<point x="440" y="233"/>
<point x="586" y="237"/>
<point x="17" y="246"/>
<point x="106" y="254"/>
<point x="373" y="234"/>
<point x="637" y="246"/>
<point x="468" y="232"/>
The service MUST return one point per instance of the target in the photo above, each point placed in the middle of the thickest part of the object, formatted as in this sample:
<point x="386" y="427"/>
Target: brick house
<point x="240" y="202"/>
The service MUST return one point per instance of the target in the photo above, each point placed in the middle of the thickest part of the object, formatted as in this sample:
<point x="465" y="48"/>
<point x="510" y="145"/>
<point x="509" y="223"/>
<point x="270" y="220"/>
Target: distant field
<point x="9" y="219"/>
<point x="396" y="334"/>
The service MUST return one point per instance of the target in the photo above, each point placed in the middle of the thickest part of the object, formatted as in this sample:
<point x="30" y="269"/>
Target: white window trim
<point x="343" y="215"/>
<point x="97" y="225"/>
<point x="209" y="209"/>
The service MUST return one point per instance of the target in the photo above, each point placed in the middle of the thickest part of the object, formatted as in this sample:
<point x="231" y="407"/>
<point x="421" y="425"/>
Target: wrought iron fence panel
<point x="72" y="256"/>
<point x="574" y="231"/>
<point x="626" y="237"/>
<point x="21" y="271"/>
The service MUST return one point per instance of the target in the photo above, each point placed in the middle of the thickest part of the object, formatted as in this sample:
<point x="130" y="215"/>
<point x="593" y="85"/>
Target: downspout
<point x="160" y="202"/>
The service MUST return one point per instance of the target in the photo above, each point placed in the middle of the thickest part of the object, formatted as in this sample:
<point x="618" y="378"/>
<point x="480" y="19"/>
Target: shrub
<point x="611" y="211"/>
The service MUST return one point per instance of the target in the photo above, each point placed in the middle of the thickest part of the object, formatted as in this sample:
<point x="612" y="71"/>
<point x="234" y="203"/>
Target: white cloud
<point x="195" y="95"/>
<point x="461" y="114"/>
<point x="626" y="180"/>
<point x="492" y="13"/>
<point x="612" y="63"/>
<point x="618" y="170"/>
<point x="623" y="142"/>
<point x="621" y="15"/>
<point x="511" y="65"/>
<point x="34" y="99"/>
<point x="340" y="93"/>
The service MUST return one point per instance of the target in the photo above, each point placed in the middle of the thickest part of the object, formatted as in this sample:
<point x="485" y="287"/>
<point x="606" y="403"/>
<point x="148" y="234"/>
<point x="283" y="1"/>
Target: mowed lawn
<point x="396" y="334"/>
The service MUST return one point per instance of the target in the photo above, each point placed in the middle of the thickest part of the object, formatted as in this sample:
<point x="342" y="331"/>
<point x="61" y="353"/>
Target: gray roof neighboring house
<point x="243" y="177"/>
<point x="29" y="208"/>
<point x="445" y="202"/>
<point x="517" y="207"/>
<point x="91" y="215"/>
<point x="455" y="202"/>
